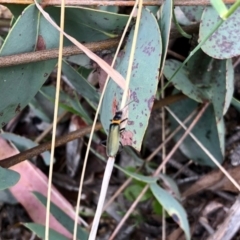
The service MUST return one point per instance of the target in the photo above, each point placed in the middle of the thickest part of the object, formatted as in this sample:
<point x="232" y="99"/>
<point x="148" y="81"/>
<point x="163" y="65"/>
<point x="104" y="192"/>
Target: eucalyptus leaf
<point x="173" y="208"/>
<point x="80" y="84"/>
<point x="204" y="79"/>
<point x="165" y="21"/>
<point x="181" y="80"/>
<point x="224" y="42"/>
<point x="179" y="28"/>
<point x="215" y="78"/>
<point x="62" y="217"/>
<point x="171" y="185"/>
<point x="40" y="231"/>
<point x="7" y="197"/>
<point x="8" y="178"/>
<point x="89" y="25"/>
<point x="143" y="84"/>
<point x="19" y="84"/>
<point x="205" y="130"/>
<point x="32" y="32"/>
<point x="193" y="13"/>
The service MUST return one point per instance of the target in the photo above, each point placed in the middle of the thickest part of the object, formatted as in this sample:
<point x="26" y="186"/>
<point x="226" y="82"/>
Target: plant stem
<point x="43" y="55"/>
<point x="11" y="161"/>
<point x="232" y="9"/>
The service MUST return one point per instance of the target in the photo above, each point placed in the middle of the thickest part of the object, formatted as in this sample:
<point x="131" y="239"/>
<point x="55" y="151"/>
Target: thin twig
<point x="43" y="55"/>
<point x="114" y="3"/>
<point x="11" y="161"/>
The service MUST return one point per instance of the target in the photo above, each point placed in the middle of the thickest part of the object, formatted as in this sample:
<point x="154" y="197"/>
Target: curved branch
<point x="42" y="55"/>
<point x="11" y="161"/>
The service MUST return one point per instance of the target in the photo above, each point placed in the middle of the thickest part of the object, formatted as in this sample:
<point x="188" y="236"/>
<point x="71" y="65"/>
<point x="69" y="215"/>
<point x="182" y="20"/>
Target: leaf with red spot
<point x="19" y="84"/>
<point x="143" y="84"/>
<point x="32" y="32"/>
<point x="224" y="43"/>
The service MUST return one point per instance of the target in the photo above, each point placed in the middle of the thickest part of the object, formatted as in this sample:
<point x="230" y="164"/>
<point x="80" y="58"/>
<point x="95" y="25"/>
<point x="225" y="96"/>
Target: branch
<point x="114" y="3"/>
<point x="43" y="55"/>
<point x="11" y="161"/>
<point x="53" y="53"/>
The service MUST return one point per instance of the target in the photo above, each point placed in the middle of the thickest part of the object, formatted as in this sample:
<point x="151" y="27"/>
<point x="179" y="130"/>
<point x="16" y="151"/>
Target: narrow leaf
<point x="173" y="208"/>
<point x="8" y="178"/>
<point x="40" y="231"/>
<point x="62" y="217"/>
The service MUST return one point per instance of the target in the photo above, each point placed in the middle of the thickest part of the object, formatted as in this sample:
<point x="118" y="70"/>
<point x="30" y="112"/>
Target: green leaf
<point x="39" y="110"/>
<point x="32" y="32"/>
<point x="206" y="132"/>
<point x="223" y="44"/>
<point x="215" y="78"/>
<point x="144" y="81"/>
<point x="204" y="79"/>
<point x="66" y="102"/>
<point x="173" y="207"/>
<point x="153" y="9"/>
<point x="80" y="84"/>
<point x="89" y="25"/>
<point x="193" y="13"/>
<point x="165" y="26"/>
<point x="23" y="144"/>
<point x="220" y="7"/>
<point x="40" y="231"/>
<point x="133" y="191"/>
<point x="170" y="185"/>
<point x="62" y="217"/>
<point x="19" y="84"/>
<point x="181" y="80"/>
<point x="8" y="178"/>
<point x="179" y="28"/>
<point x="81" y="60"/>
<point x="138" y="176"/>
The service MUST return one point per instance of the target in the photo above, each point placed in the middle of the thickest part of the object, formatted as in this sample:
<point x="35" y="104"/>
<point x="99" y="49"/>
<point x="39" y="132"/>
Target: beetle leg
<point x="124" y="120"/>
<point x="122" y="130"/>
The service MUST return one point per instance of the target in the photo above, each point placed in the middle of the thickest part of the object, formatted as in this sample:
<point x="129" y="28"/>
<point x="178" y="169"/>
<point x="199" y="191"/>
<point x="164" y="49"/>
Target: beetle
<point x="113" y="138"/>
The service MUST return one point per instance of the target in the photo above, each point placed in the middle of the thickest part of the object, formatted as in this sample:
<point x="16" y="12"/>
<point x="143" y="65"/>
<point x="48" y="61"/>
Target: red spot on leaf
<point x="114" y="106"/>
<point x="127" y="138"/>
<point x="40" y="44"/>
